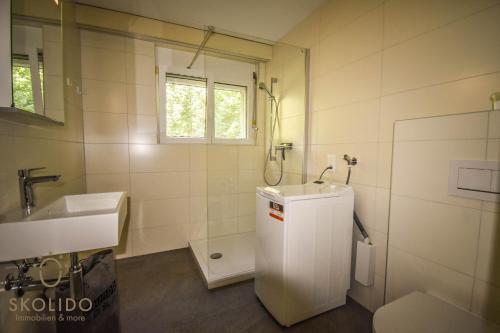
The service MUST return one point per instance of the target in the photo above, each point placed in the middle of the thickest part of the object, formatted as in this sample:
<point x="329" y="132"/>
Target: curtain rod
<point x="210" y="31"/>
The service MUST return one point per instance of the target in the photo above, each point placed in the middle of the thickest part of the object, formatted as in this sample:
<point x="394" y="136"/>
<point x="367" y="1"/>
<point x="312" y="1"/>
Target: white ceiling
<point x="255" y="19"/>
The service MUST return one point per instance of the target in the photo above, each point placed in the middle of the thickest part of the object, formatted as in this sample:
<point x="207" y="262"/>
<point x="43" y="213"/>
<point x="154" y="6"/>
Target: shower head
<point x="262" y="86"/>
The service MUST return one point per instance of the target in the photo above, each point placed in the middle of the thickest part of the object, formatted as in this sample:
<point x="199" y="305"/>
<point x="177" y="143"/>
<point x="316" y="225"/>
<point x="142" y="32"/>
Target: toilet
<point x="418" y="313"/>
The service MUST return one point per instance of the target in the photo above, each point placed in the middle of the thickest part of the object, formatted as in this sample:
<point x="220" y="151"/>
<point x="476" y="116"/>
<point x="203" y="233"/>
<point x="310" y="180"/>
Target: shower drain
<point x="216" y="255"/>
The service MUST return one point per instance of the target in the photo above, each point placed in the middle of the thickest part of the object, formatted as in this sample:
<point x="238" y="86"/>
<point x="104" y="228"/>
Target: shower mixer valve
<point x="282" y="147"/>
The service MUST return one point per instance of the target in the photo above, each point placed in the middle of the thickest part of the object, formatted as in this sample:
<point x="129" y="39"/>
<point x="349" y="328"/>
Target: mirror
<point x="36" y="59"/>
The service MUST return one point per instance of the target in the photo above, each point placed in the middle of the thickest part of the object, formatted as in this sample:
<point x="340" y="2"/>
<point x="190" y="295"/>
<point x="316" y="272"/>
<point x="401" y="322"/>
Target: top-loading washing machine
<point x="303" y="249"/>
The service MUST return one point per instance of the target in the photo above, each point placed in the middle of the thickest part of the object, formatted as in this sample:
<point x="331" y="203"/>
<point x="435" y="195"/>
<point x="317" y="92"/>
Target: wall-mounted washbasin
<point x="72" y="223"/>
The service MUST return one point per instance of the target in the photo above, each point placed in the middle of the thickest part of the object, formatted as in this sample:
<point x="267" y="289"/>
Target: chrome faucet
<point x="25" y="186"/>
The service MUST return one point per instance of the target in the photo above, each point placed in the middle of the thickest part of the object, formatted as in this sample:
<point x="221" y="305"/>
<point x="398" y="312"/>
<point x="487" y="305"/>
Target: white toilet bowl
<point x="421" y="313"/>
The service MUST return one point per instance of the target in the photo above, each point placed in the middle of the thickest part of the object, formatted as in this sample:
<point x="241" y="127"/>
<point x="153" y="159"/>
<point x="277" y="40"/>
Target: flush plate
<point x="474" y="179"/>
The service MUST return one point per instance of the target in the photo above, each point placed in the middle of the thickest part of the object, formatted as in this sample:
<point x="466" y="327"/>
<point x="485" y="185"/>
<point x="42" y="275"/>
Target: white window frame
<point x="248" y="117"/>
<point x="198" y="72"/>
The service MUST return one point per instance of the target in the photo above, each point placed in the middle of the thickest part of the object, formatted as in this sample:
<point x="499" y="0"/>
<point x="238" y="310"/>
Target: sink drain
<point x="216" y="255"/>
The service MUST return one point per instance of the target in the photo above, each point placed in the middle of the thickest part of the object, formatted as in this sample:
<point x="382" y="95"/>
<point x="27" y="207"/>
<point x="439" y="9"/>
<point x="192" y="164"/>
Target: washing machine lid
<point x="305" y="191"/>
<point x="418" y="312"/>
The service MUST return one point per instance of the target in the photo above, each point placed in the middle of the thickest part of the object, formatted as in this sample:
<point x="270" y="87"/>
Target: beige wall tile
<point x="158" y="239"/>
<point x="449" y="98"/>
<point x="246" y="223"/>
<point x="104" y="96"/>
<point x="137" y="46"/>
<point x="246" y="204"/>
<point x="382" y="196"/>
<point x="494" y="125"/>
<point x="154" y="213"/>
<point x="359" y="39"/>
<point x="406" y="19"/>
<point x="150" y="186"/>
<point x="106" y="158"/>
<point x="222" y="157"/>
<point x="334" y="15"/>
<point x="141" y="99"/>
<point x="488" y="256"/>
<point x="221" y="182"/>
<point x="102" y="40"/>
<point x="222" y="207"/>
<point x="197" y="157"/>
<point x="464" y="126"/>
<point x="493" y="151"/>
<point x="384" y="164"/>
<point x="198" y="183"/>
<point x="418" y="62"/>
<point x="407" y="273"/>
<point x="102" y="64"/>
<point x="140" y="69"/>
<point x="346" y="124"/>
<point x="105" y="127"/>
<point x="364" y="204"/>
<point x="107" y="183"/>
<point x="486" y="301"/>
<point x="421" y="169"/>
<point x="142" y="129"/>
<point x="440" y="233"/>
<point x="355" y="82"/>
<point x="250" y="158"/>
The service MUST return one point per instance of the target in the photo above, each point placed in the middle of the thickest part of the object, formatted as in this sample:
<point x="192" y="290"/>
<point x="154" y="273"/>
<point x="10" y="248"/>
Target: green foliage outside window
<point x="186" y="108"/>
<point x="230" y="118"/>
<point x="23" y="90"/>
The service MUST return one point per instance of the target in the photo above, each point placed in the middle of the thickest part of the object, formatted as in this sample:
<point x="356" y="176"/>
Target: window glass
<point x="186" y="107"/>
<point x="230" y="116"/>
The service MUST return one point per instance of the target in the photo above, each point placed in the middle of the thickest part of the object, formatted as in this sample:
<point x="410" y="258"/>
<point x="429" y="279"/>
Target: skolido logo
<point x="45" y="309"/>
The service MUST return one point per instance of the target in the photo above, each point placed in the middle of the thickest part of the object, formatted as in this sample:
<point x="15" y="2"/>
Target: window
<point x="23" y="84"/>
<point x="230" y="116"/>
<point x="186" y="107"/>
<point x="212" y="102"/>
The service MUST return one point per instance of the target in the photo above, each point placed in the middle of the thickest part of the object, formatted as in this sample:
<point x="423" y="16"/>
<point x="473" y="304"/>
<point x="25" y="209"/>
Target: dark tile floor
<point x="165" y="292"/>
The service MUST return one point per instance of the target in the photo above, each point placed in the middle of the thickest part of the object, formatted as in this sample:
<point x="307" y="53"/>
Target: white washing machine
<point x="303" y="249"/>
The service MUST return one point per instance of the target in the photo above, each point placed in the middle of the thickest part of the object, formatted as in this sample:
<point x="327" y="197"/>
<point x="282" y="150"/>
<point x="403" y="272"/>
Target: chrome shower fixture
<point x="351" y="161"/>
<point x="262" y="86"/>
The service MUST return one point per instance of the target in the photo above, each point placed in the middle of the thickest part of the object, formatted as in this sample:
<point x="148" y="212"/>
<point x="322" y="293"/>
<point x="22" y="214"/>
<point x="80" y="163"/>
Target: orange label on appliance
<point x="276" y="211"/>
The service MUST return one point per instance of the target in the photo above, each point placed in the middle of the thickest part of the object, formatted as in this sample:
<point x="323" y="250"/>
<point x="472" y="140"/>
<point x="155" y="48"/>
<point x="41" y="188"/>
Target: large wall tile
<point x="360" y="38"/>
<point x="102" y="64"/>
<point x="420" y="169"/>
<point x="486" y="301"/>
<point x="436" y="232"/>
<point x="355" y="82"/>
<point x="154" y="213"/>
<point x="158" y="239"/>
<point x="464" y="126"/>
<point x="150" y="186"/>
<point x="462" y="96"/>
<point x="407" y="273"/>
<point x="101" y="40"/>
<point x="142" y="129"/>
<point x="104" y="96"/>
<point x="494" y="125"/>
<point x="107" y="183"/>
<point x="346" y="124"/>
<point x="141" y="99"/>
<point x="408" y="18"/>
<point x="488" y="257"/>
<point x="336" y="14"/>
<point x="140" y="69"/>
<point x="418" y="62"/>
<point x="105" y="127"/>
<point x="106" y="158"/>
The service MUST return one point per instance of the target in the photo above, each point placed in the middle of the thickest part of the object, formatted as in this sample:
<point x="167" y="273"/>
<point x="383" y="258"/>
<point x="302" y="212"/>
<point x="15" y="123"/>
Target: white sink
<point x="72" y="223"/>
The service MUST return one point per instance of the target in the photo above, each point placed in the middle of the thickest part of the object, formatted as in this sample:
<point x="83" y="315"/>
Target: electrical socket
<point x="332" y="161"/>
